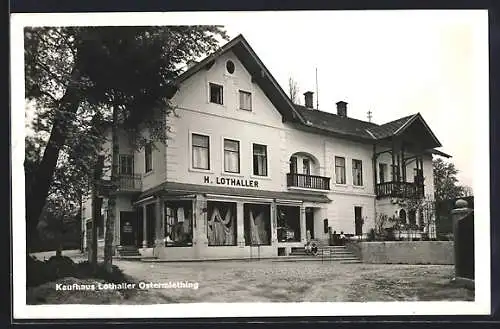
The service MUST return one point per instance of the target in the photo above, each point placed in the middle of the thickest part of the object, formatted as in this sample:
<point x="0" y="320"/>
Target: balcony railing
<point x="308" y="181"/>
<point x="126" y="183"/>
<point x="405" y="190"/>
<point x="130" y="182"/>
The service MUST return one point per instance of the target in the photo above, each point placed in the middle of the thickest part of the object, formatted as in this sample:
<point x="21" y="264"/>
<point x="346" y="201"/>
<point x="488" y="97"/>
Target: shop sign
<point x="233" y="182"/>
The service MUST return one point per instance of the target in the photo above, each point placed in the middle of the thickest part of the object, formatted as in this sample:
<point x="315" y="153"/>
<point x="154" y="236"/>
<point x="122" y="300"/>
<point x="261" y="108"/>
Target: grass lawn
<point x="267" y="281"/>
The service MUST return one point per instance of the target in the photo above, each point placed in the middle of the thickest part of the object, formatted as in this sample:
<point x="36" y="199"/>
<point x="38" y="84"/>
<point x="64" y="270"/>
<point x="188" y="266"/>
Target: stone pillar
<point x="274" y="224"/>
<point x="460" y="212"/>
<point x="303" y="224"/>
<point x="159" y="234"/>
<point x="201" y="222"/>
<point x="144" y="227"/>
<point x="240" y="224"/>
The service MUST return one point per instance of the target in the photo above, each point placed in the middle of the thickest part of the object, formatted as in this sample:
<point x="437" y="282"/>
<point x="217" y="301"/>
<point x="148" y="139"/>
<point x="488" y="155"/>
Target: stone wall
<point x="404" y="252"/>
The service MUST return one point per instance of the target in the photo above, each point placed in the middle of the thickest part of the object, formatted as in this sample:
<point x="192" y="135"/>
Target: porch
<point x="407" y="190"/>
<point x="401" y="149"/>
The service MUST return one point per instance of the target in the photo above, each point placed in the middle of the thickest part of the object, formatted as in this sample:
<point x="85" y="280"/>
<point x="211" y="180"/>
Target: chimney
<point x="308" y="99"/>
<point x="342" y="109"/>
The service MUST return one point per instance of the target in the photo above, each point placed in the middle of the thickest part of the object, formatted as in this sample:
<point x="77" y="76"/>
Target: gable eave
<point x="407" y="124"/>
<point x="260" y="75"/>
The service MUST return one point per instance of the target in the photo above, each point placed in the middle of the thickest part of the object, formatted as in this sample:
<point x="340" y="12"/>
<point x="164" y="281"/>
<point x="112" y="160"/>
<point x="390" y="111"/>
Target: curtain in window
<point x="260" y="160"/>
<point x="200" y="158"/>
<point x="357" y="172"/>
<point x="340" y="170"/>
<point x="254" y="231"/>
<point x="245" y="100"/>
<point x="200" y="151"/>
<point x="231" y="156"/>
<point x="221" y="230"/>
<point x="258" y="232"/>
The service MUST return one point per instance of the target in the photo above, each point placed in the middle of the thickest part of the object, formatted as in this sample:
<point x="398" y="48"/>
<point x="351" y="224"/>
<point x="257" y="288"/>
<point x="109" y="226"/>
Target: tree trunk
<point x="110" y="222"/>
<point x="59" y="249"/>
<point x="95" y="213"/>
<point x="37" y="194"/>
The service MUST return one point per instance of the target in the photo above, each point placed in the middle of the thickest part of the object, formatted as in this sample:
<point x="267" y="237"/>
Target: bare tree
<point x="381" y="222"/>
<point x="293" y="90"/>
<point x="467" y="191"/>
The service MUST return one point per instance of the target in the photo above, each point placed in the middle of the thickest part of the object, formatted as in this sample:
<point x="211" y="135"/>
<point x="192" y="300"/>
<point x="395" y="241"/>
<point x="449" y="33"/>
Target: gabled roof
<point x="390" y="128"/>
<point x="401" y="126"/>
<point x="311" y="119"/>
<point x="260" y="75"/>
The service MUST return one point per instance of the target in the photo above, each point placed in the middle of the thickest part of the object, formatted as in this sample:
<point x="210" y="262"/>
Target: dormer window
<point x="216" y="94"/>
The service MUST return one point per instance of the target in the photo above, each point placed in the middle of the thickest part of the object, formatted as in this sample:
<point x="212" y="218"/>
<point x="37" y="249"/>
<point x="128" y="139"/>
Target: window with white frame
<point x="231" y="156"/>
<point x="357" y="172"/>
<point x="201" y="151"/>
<point x="340" y="170"/>
<point x="245" y="100"/>
<point x="126" y="164"/>
<point x="148" y="158"/>
<point x="216" y="93"/>
<point x="259" y="160"/>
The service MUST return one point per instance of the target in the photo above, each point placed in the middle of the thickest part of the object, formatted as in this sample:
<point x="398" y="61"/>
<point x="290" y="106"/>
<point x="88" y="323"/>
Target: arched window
<point x="402" y="216"/>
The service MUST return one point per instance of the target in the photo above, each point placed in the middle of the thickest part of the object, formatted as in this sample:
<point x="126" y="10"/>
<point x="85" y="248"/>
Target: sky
<point x="390" y="63"/>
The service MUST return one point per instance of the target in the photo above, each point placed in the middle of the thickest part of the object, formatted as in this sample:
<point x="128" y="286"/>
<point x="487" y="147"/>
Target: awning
<point x="181" y="189"/>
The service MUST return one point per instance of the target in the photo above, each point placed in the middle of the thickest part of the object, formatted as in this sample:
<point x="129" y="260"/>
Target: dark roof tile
<point x="336" y="124"/>
<point x="388" y="129"/>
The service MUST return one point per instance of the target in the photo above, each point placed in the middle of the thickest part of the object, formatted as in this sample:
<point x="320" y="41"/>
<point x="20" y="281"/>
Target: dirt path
<point x="268" y="281"/>
<point x="299" y="281"/>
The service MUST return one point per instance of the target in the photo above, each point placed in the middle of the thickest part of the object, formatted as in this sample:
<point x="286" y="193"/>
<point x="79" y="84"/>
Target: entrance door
<point x="358" y="221"/>
<point x="150" y="224"/>
<point x="128" y="228"/>
<point x="310" y="221"/>
<point x="140" y="227"/>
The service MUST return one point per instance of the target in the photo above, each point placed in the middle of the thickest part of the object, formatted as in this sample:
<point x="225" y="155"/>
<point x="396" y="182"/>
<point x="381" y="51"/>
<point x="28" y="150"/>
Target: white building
<point x="244" y="166"/>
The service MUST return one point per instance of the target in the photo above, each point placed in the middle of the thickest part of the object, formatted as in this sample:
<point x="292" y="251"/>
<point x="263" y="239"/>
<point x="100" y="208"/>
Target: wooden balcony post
<point x="403" y="163"/>
<point x="393" y="167"/>
<point x="374" y="167"/>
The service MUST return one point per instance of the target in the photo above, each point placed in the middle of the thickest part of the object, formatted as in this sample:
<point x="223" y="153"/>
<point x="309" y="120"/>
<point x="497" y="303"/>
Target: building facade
<point x="246" y="171"/>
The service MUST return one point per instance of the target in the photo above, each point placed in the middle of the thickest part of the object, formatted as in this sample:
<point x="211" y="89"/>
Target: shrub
<point x="371" y="235"/>
<point x="389" y="234"/>
<point x="38" y="272"/>
<point x="57" y="267"/>
<point x="85" y="270"/>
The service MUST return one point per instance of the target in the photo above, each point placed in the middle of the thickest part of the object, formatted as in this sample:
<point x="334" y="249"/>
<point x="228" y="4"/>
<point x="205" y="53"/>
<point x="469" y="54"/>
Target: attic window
<point x="216" y="93"/>
<point x="230" y="67"/>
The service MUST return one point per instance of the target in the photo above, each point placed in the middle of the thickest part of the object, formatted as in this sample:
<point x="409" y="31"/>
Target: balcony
<point x="126" y="183"/>
<point x="130" y="182"/>
<point x="404" y="190"/>
<point x="308" y="181"/>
